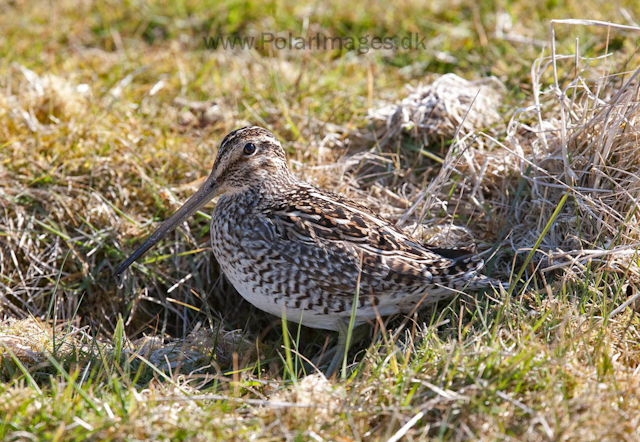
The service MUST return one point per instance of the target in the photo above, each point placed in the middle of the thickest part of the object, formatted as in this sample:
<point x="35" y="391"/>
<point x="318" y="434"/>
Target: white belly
<point x="259" y="296"/>
<point x="240" y="270"/>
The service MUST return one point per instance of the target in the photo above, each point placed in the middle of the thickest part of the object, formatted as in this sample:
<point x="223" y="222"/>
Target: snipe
<point x="288" y="246"/>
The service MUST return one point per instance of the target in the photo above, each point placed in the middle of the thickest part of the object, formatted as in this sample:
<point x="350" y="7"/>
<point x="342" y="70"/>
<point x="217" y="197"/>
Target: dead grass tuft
<point x="39" y="101"/>
<point x="583" y="140"/>
<point x="440" y="110"/>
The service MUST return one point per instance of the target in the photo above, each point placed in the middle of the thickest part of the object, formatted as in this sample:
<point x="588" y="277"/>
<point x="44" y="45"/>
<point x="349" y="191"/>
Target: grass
<point x="103" y="131"/>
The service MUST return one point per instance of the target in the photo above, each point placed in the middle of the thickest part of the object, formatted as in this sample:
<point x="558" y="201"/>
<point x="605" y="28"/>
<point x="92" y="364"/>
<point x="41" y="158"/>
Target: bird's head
<point x="250" y="157"/>
<point x="247" y="157"/>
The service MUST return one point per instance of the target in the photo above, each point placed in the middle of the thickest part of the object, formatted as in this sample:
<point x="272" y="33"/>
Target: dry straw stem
<point x="585" y="142"/>
<point x="583" y="139"/>
<point x="449" y="108"/>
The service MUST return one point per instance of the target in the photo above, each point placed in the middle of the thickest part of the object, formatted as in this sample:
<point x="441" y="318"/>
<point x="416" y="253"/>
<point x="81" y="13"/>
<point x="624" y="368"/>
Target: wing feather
<point x="345" y="231"/>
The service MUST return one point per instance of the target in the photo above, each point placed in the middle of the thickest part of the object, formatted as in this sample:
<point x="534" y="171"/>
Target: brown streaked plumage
<point x="290" y="247"/>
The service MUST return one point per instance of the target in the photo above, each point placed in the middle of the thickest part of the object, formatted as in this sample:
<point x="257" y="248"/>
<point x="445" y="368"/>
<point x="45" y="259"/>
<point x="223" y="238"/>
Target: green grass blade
<point x="32" y="383"/>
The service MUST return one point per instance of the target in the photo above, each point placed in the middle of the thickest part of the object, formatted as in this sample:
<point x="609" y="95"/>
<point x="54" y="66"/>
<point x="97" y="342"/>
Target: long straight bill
<point x="205" y="194"/>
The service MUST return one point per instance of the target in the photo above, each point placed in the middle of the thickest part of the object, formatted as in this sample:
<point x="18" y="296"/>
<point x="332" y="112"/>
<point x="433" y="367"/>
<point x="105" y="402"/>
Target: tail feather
<point x="484" y="282"/>
<point x="465" y="270"/>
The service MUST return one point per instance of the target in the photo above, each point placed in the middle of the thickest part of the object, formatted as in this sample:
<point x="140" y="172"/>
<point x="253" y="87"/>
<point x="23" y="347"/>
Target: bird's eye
<point x="249" y="149"/>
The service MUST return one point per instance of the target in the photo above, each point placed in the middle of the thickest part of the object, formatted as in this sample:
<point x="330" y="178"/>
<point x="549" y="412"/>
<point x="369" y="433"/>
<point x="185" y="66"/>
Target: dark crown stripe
<point x="245" y="133"/>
